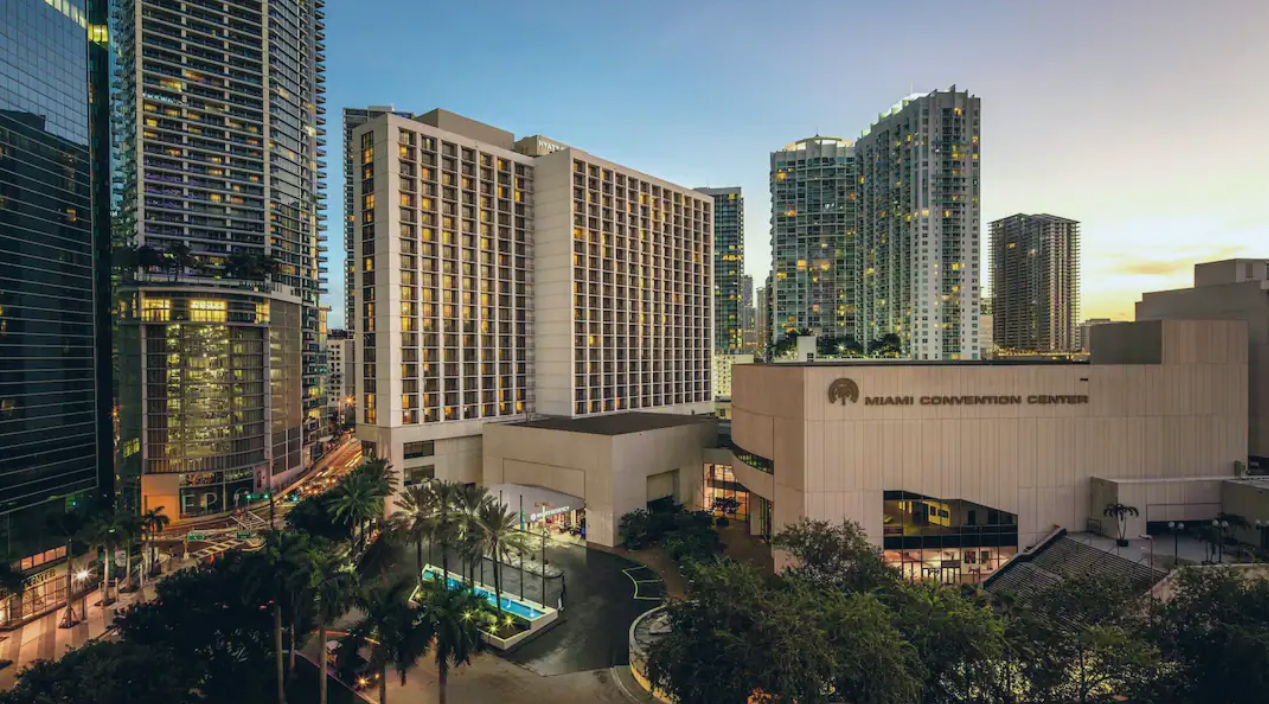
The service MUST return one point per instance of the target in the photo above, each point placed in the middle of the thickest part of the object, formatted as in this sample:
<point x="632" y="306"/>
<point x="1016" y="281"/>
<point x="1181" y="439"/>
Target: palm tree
<point x="269" y="582"/>
<point x="153" y="522"/>
<point x="355" y="501"/>
<point x="129" y="531"/>
<point x="445" y="521"/>
<point x="452" y="617"/>
<point x="180" y="258"/>
<point x="69" y="526"/>
<point x="391" y="628"/>
<point x="1121" y="512"/>
<point x="414" y="519"/>
<point x="467" y="502"/>
<point x="501" y="529"/>
<point x="106" y="529"/>
<point x="333" y="587"/>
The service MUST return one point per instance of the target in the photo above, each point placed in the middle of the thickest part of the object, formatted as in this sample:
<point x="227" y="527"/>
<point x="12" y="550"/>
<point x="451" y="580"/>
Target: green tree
<point x="415" y="517"/>
<point x="1090" y="641"/>
<point x="958" y="638"/>
<point x="105" y="672"/>
<point x="872" y="663"/>
<point x="333" y="588"/>
<point x="201" y="614"/>
<point x="153" y="522"/>
<point x="500" y="528"/>
<point x="391" y="629"/>
<point x="845" y="346"/>
<point x="315" y="516"/>
<point x="69" y="526"/>
<point x="471" y="540"/>
<point x="740" y="635"/>
<point x="1214" y="630"/>
<point x="180" y="258"/>
<point x="356" y="501"/>
<point x="452" y="617"/>
<point x="129" y="533"/>
<point x="1120" y="512"/>
<point x="888" y="345"/>
<point x="270" y="583"/>
<point x="105" y="531"/>
<point x="838" y="556"/>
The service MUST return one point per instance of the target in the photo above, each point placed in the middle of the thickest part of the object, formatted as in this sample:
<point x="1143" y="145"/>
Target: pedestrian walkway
<point x="41" y="639"/>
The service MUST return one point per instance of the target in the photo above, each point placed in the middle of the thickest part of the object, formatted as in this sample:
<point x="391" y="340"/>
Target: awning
<point x="535" y="500"/>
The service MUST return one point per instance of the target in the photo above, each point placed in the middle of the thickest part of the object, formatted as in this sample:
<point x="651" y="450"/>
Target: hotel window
<point x="207" y="311"/>
<point x="156" y="310"/>
<point x="424" y="448"/>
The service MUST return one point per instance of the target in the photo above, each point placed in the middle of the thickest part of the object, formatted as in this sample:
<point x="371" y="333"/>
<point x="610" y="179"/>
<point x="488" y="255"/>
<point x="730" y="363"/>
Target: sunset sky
<point x="1146" y="120"/>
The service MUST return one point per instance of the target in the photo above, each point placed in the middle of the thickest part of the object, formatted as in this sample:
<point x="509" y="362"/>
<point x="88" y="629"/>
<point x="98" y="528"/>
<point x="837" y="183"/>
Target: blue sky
<point x="1143" y="119"/>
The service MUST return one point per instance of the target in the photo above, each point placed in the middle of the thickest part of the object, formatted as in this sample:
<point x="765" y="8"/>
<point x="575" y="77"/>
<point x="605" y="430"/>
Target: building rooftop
<point x="998" y="362"/>
<point x="615" y="424"/>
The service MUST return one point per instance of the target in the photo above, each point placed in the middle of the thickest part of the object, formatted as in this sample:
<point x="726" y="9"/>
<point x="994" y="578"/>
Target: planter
<point x="1121" y="542"/>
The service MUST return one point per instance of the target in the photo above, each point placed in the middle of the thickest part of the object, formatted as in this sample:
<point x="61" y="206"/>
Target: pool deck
<point x="538" y="615"/>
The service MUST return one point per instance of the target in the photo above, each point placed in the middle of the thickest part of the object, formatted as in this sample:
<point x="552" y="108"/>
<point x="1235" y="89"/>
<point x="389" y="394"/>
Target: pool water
<point x="519" y="609"/>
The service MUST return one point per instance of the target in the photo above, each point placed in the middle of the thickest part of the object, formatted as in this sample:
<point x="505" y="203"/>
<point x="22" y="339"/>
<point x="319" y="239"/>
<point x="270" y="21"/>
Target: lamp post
<point x="1263" y="527"/>
<point x="1176" y="529"/>
<point x="1218" y="544"/>
<point x="82" y="578"/>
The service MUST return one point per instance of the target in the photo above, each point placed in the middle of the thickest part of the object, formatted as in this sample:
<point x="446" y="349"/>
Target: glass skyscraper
<point x="221" y="169"/>
<point x="53" y="454"/>
<point x="729" y="268"/>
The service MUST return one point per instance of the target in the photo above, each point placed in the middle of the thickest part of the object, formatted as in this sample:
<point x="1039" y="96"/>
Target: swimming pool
<point x="516" y="607"/>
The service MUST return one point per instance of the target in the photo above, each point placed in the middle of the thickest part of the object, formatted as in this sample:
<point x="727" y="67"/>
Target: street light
<point x="1218" y="544"/>
<point x="1263" y="527"/>
<point x="1176" y="529"/>
<point x="82" y="576"/>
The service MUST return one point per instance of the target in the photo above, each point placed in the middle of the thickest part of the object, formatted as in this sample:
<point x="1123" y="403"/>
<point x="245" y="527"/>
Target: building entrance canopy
<point x="535" y="502"/>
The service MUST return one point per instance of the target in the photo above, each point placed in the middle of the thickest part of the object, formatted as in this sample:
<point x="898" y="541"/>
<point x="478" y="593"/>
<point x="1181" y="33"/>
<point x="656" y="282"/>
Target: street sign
<point x="243" y="535"/>
<point x="194" y="536"/>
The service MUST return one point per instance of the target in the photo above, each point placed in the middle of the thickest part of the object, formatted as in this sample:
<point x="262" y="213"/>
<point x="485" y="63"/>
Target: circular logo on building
<point x="843" y="389"/>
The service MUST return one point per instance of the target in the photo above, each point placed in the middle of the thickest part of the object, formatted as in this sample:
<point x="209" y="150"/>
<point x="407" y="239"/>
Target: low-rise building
<point x="952" y="468"/>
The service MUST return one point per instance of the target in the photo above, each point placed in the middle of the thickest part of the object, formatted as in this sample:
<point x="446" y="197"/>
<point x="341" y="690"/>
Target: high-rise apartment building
<point x="1035" y="283"/>
<point x="55" y="377"/>
<point x="813" y="238"/>
<point x="919" y="226"/>
<point x="729" y="268"/>
<point x="352" y="118"/>
<point x="763" y="311"/>
<point x="222" y="166"/>
<point x="747" y="315"/>
<point x="340" y="390"/>
<point x="497" y="277"/>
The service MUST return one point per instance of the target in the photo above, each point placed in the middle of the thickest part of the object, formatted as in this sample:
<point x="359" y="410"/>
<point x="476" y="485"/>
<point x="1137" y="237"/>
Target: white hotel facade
<point x="497" y="278"/>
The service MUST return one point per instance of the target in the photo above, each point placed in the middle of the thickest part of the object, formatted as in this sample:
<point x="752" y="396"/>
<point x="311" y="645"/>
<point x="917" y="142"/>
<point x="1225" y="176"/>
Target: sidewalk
<point x="41" y="639"/>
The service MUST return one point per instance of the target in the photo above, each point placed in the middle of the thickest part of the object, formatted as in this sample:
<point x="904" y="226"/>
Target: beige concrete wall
<point x="579" y="464"/>
<point x="1248" y="302"/>
<point x="553" y="284"/>
<point x="1185" y="418"/>
<point x="1190" y="499"/>
<point x="609" y="472"/>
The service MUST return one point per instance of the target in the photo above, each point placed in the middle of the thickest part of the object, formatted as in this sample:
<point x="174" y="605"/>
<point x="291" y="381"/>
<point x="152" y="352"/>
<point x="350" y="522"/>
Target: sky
<point x="1146" y="120"/>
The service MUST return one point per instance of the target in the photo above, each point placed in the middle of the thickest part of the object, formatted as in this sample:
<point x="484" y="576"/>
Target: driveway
<point x="599" y="605"/>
